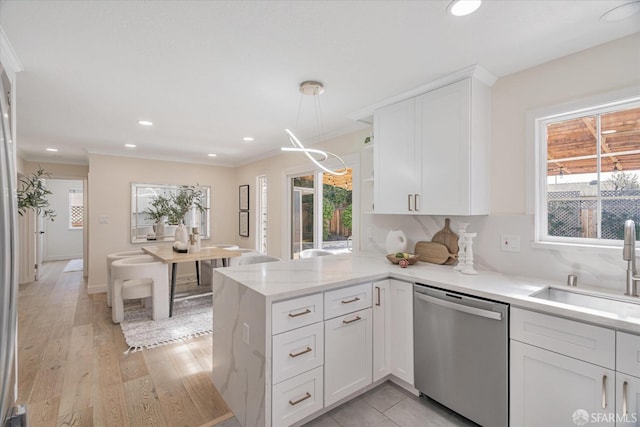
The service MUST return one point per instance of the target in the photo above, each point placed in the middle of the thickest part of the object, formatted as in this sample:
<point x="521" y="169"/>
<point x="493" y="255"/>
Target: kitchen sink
<point x="604" y="303"/>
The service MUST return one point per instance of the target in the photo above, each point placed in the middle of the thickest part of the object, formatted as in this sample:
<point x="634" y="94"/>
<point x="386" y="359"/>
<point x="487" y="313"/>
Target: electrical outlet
<point x="510" y="243"/>
<point x="245" y="333"/>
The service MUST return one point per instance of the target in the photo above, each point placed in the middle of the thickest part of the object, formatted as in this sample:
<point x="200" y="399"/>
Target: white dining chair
<point x="312" y="253"/>
<point x="140" y="277"/>
<point x="114" y="257"/>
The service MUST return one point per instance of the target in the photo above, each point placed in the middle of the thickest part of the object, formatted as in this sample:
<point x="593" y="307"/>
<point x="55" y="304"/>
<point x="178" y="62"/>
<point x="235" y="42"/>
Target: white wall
<point x="110" y="179"/>
<point x="602" y="69"/>
<point x="61" y="242"/>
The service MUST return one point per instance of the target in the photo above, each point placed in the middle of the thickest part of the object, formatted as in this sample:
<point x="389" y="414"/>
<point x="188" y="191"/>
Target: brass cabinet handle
<point x="307" y="350"/>
<point x="351" y="300"/>
<point x="307" y="311"/>
<point x="302" y="399"/>
<point x="604" y="391"/>
<point x="624" y="398"/>
<point x="378" y="291"/>
<point x="352" y="320"/>
<point x="415" y="202"/>
<point x="409" y="202"/>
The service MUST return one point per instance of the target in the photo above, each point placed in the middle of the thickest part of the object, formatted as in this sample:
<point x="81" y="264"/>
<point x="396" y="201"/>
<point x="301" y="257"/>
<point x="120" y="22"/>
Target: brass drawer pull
<point x="351" y="300"/>
<point x="302" y="399"/>
<point x="352" y="320"/>
<point x="307" y="311"/>
<point x="308" y="349"/>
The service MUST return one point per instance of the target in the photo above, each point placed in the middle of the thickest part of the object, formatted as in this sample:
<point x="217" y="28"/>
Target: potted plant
<point x="158" y="212"/>
<point x="188" y="197"/>
<point x="32" y="194"/>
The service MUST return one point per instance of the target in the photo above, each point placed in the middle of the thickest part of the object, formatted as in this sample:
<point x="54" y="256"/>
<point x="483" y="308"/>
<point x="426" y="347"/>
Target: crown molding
<point x="8" y="57"/>
<point x="475" y="71"/>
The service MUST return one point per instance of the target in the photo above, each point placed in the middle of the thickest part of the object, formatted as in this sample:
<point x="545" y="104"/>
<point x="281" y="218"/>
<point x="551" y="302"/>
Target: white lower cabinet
<point x="296" y="398"/>
<point x="393" y="330"/>
<point x="562" y="373"/>
<point x="381" y="330"/>
<point x="348" y="354"/>
<point x="549" y="389"/>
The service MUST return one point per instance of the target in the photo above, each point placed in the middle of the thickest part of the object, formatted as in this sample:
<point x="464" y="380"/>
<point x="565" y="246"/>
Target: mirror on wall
<point x="157" y="209"/>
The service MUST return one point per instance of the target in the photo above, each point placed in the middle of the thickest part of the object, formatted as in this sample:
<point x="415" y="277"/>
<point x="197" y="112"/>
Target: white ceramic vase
<point x="181" y="234"/>
<point x="396" y="242"/>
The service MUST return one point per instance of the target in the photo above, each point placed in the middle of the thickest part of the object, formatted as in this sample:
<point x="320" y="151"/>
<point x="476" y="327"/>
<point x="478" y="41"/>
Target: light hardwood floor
<point x="72" y="370"/>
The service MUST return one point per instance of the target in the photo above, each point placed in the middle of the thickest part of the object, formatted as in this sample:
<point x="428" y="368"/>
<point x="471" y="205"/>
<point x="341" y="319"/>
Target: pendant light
<point x="314" y="88"/>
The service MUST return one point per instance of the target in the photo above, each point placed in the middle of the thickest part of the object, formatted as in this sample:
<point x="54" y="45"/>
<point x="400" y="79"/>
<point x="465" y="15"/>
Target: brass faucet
<point x="629" y="255"/>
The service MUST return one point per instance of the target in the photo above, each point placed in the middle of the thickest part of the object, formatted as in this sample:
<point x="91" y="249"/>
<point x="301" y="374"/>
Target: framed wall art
<point x="243" y="196"/>
<point x="244" y="223"/>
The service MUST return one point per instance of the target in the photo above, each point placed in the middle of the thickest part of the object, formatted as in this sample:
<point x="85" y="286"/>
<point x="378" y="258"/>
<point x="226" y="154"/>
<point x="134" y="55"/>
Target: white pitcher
<point x="396" y="241"/>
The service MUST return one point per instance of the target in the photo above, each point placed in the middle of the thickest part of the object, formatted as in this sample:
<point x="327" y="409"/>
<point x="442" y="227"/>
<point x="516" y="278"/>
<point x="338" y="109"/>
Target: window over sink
<point x="588" y="172"/>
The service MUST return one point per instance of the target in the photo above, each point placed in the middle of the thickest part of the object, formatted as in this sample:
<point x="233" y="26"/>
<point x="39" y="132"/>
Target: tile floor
<point x="385" y="406"/>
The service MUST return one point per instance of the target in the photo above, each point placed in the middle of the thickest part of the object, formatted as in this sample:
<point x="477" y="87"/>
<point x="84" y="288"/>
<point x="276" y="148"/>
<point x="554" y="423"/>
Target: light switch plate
<point x="103" y="219"/>
<point x="510" y="243"/>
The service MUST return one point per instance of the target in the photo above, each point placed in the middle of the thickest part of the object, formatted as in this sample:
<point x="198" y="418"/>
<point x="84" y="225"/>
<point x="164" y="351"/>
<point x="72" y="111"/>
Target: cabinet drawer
<point x="294" y="313"/>
<point x="347" y="300"/>
<point x="582" y="341"/>
<point x="297" y="398"/>
<point x="628" y="353"/>
<point x="297" y="351"/>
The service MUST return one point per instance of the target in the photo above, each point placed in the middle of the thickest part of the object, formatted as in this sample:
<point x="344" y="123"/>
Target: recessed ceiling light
<point x="130" y="145"/>
<point x="53" y="150"/>
<point x="607" y="132"/>
<point x="619" y="13"/>
<point x="247" y="138"/>
<point x="463" y="7"/>
<point x="145" y="123"/>
<point x="211" y="155"/>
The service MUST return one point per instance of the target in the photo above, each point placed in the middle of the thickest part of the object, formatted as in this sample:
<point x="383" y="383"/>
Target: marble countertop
<point x="292" y="278"/>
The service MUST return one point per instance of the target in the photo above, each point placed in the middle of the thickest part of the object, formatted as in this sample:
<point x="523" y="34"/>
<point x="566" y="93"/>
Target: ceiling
<point x="208" y="73"/>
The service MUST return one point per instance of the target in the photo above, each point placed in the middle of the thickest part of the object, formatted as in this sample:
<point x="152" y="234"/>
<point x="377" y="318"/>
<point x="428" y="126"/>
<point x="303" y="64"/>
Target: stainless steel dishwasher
<point x="461" y="353"/>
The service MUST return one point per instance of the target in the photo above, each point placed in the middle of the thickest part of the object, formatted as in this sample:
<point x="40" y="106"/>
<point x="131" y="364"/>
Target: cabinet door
<point x="627" y="400"/>
<point x="381" y="330"/>
<point x="443" y="129"/>
<point x="395" y="158"/>
<point x="401" y="305"/>
<point x="549" y="389"/>
<point x="348" y="355"/>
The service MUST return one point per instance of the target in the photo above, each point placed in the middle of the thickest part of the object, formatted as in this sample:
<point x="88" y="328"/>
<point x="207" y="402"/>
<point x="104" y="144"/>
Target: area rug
<point x="191" y="318"/>
<point x="74" y="265"/>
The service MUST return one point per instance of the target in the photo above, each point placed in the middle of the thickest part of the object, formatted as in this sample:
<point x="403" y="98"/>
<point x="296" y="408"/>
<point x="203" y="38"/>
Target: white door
<point x="627" y="400"/>
<point x="348" y="355"/>
<point x="442" y="128"/>
<point x="381" y="330"/>
<point x="395" y="156"/>
<point x="401" y="314"/>
<point x="40" y="244"/>
<point x="549" y="389"/>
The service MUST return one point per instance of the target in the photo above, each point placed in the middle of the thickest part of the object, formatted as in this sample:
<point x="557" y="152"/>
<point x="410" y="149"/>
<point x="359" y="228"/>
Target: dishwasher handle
<point x="459" y="307"/>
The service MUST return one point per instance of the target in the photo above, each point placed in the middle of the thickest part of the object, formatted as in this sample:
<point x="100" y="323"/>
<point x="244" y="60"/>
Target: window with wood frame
<point x="590" y="182"/>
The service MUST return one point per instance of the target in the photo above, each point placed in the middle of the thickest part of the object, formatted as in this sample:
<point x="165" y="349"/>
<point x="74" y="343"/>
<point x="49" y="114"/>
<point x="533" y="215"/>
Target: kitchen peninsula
<point x="279" y="355"/>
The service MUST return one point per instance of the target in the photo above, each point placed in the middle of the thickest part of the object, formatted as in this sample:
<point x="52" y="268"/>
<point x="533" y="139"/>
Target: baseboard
<point x="62" y="258"/>
<point x="96" y="289"/>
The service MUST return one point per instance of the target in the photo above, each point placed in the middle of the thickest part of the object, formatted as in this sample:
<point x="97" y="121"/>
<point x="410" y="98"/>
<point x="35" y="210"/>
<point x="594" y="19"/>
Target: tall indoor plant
<point x="32" y="195"/>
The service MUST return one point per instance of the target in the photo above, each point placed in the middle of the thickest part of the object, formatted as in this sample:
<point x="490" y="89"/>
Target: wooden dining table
<point x="167" y="255"/>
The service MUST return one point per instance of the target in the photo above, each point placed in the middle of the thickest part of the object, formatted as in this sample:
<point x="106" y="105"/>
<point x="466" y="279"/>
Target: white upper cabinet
<point x="396" y="159"/>
<point x="432" y="152"/>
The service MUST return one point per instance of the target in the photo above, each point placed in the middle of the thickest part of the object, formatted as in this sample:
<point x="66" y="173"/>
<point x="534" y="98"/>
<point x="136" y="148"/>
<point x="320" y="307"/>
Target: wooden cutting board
<point x="447" y="238"/>
<point x="435" y="253"/>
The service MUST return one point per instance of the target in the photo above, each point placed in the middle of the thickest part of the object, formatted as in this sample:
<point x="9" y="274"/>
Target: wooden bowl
<point x="412" y="259"/>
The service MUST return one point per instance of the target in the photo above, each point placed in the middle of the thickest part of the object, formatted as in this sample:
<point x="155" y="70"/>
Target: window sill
<point x="574" y="247"/>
